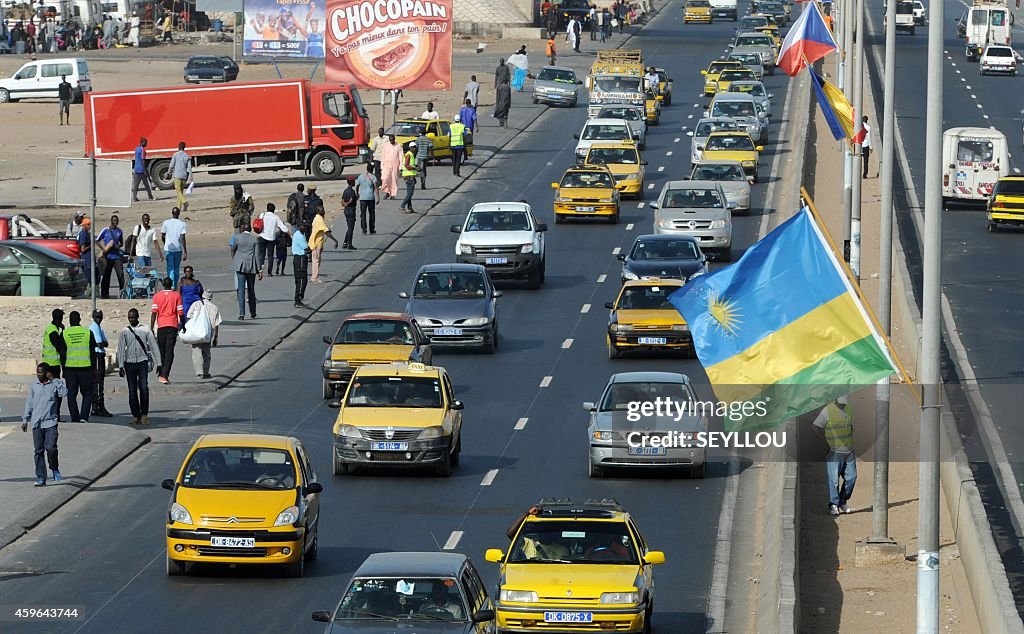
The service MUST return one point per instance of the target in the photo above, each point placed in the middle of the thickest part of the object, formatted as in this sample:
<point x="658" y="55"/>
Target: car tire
<point x="642" y="146"/>
<point x="613" y="219"/>
<point x="175" y="568"/>
<point x="535" y="279"/>
<point x="444" y="468"/>
<point x="457" y="455"/>
<point x="535" y="102"/>
<point x="613" y="350"/>
<point x="700" y="472"/>
<point x="325" y="165"/>
<point x="297" y="568"/>
<point x="559" y="219"/>
<point x="648" y="619"/>
<point x="341" y="468"/>
<point x="490" y="346"/>
<point x="314" y="550"/>
<point x="5" y="96"/>
<point x="160" y="174"/>
<point x="992" y="227"/>
<point x="726" y="255"/>
<point x="543" y="270"/>
<point x="575" y="102"/>
<point x="593" y="470"/>
<point x="328" y="390"/>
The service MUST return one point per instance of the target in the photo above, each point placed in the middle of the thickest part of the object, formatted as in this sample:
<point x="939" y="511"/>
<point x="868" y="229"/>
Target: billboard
<point x="390" y="44"/>
<point x="284" y="28"/>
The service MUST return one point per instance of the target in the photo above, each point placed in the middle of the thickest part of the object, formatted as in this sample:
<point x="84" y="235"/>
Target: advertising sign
<point x="390" y="44"/>
<point x="284" y="28"/>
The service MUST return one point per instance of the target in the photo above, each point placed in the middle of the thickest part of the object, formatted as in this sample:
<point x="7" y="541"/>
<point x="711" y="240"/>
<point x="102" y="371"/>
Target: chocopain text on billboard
<point x="390" y="44"/>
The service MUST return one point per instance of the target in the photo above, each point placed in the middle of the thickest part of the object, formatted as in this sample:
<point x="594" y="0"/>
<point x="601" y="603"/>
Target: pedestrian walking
<point x="284" y="241"/>
<point x="65" y="93"/>
<point x="165" y="321"/>
<point x="172" y="234"/>
<point x="467" y="115"/>
<point x="201" y="356"/>
<point x="604" y="23"/>
<point x="350" y="199"/>
<point x="111" y="241"/>
<point x="390" y="164"/>
<point x="137" y="354"/>
<point x="181" y="172"/>
<point x="79" y="343"/>
<point x="424" y="149"/>
<point x="139" y="174"/>
<point x="134" y="31"/>
<point x="865" y="143"/>
<point x="42" y="409"/>
<point x="502" y="103"/>
<point x="620" y="15"/>
<point x="551" y="21"/>
<point x="296" y="206"/>
<point x="520" y="68"/>
<point x="247" y="269"/>
<point x="367" y="187"/>
<point x="592" y="22"/>
<point x="570" y="33"/>
<point x="272" y="228"/>
<point x="319" y="234"/>
<point x="240" y="208"/>
<point x="300" y="261"/>
<point x="190" y="289"/>
<point x="409" y="170"/>
<point x="377" y="145"/>
<point x="143" y="240"/>
<point x="457" y="143"/>
<point x="472" y="91"/>
<point x="54" y="351"/>
<point x="99" y="363"/>
<point x="551" y="51"/>
<point x="834" y="425"/>
<point x="167" y="29"/>
<point x="430" y="114"/>
<point x="502" y="73"/>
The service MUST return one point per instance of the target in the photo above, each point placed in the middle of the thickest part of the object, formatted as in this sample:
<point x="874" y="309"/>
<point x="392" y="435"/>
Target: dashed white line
<point x="489" y="478"/>
<point x="962" y="78"/>
<point x="616" y="250"/>
<point x="953" y="64"/>
<point x="957" y="72"/>
<point x="521" y="424"/>
<point x="1016" y="170"/>
<point x="979" y="105"/>
<point x="546" y="381"/>
<point x="640" y="205"/>
<point x="629" y="227"/>
<point x="601" y="278"/>
<point x="585" y="309"/>
<point x="968" y="87"/>
<point x="661" y="169"/>
<point x="986" y="116"/>
<point x="973" y="96"/>
<point x="683" y="128"/>
<point x="669" y="153"/>
<point x="689" y="116"/>
<point x="453" y="541"/>
<point x="676" y="140"/>
<point x="650" y="186"/>
<point x="566" y="344"/>
<point x="696" y="105"/>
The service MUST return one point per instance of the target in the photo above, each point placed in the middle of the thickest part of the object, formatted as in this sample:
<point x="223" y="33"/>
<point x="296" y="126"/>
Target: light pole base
<point x="875" y="551"/>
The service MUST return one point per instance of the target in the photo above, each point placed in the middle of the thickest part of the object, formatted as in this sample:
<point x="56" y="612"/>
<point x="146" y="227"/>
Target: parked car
<point x="455" y="305"/>
<point x="557" y="85"/>
<point x="40" y="79"/>
<point x="204" y="69"/>
<point x="64" y="275"/>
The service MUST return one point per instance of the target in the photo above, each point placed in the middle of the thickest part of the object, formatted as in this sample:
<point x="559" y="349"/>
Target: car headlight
<point x="622" y="327"/>
<point x="288" y="516"/>
<point x="718" y="224"/>
<point x="476" y="321"/>
<point x="431" y="432"/>
<point x="632" y="176"/>
<point x="607" y="435"/>
<point x="581" y="152"/>
<point x="527" y="248"/>
<point x="607" y="200"/>
<point x="620" y="597"/>
<point x="700" y="271"/>
<point x="349" y="431"/>
<point x="665" y="224"/>
<point x="335" y="363"/>
<point x="748" y="163"/>
<point x="561" y="199"/>
<point x="518" y="596"/>
<point x="629" y="275"/>
<point x="180" y="514"/>
<point x="680" y="327"/>
<point x="465" y="249"/>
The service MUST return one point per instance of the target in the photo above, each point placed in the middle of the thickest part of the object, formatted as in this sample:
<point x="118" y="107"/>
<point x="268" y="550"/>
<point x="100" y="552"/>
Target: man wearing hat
<point x="99" y="363"/>
<point x="457" y="143"/>
<point x="409" y="174"/>
<point x="54" y="350"/>
<point x="834" y="425"/>
<point x="350" y="199"/>
<point x="75" y="226"/>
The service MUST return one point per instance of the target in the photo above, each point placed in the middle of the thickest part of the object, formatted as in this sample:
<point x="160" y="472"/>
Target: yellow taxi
<point x="697" y="11"/>
<point x="398" y="414"/>
<point x="575" y="567"/>
<point x="714" y="69"/>
<point x="625" y="164"/>
<point x="587" y="192"/>
<point x="376" y="337"/>
<point x="729" y="75"/>
<point x="773" y="30"/>
<point x="652" y="106"/>
<point x="243" y="499"/>
<point x="438" y="131"/>
<point x="733" y="146"/>
<point x="1006" y="205"/>
<point x="642" y="318"/>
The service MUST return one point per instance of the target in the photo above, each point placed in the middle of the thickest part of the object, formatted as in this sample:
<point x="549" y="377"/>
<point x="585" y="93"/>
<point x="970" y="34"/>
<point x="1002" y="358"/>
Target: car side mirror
<point x="541" y="227"/>
<point x="322" y="616"/>
<point x="636" y="135"/>
<point x="703" y="72"/>
<point x="431" y="135"/>
<point x="494" y="555"/>
<point x="659" y="98"/>
<point x="690" y="133"/>
<point x="168" y="484"/>
<point x="731" y="205"/>
<point x="654" y="557"/>
<point x="483" y="616"/>
<point x="589" y="406"/>
<point x="328" y="341"/>
<point x="771" y="95"/>
<point x="700" y="147"/>
<point x="621" y="257"/>
<point x="654" y="205"/>
<point x="609" y="305"/>
<point x="456" y="228"/>
<point x="496" y="294"/>
<point x="579" y="82"/>
<point x="576" y="136"/>
<point x="404" y="295"/>
<point x="554" y="185"/>
<point x="313" y="487"/>
<point x="760" y="148"/>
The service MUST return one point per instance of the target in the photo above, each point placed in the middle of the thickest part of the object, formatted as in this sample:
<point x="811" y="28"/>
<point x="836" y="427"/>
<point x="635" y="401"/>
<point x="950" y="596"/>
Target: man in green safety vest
<point x="457" y="143"/>
<point x="409" y="174"/>
<point x="54" y="349"/>
<point x="80" y="343"/>
<point x="834" y="425"/>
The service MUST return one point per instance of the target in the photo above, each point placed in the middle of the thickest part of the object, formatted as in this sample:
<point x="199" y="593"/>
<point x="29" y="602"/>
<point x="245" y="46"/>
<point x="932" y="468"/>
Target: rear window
<point x="707" y="127"/>
<point x="83" y="68"/>
<point x="734" y="142"/>
<point x="1015" y="187"/>
<point x="971" y="151"/>
<point x="998" y="52"/>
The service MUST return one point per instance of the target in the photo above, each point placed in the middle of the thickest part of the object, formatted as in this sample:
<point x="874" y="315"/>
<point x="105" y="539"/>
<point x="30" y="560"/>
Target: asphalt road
<point x="104" y="551"/>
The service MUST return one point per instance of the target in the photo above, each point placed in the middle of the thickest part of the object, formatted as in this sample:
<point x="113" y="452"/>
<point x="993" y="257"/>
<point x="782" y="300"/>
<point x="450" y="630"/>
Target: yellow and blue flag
<point x="835" y="107"/>
<point x="782" y="328"/>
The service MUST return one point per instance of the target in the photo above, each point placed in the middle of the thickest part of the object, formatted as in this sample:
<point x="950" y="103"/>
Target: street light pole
<point x="858" y="151"/>
<point x="928" y="508"/>
<point x="848" y="39"/>
<point x="92" y="226"/>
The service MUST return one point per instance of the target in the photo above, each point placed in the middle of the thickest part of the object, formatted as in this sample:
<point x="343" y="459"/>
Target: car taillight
<point x="945" y="180"/>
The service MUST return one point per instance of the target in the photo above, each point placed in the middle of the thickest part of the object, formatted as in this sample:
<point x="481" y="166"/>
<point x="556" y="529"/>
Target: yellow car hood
<point x="650" y="317"/>
<point x="588" y="580"/>
<point x="733" y="155"/>
<point x="619" y="169"/>
<point x="698" y="10"/>
<point x="576" y="193"/>
<point x="383" y="352"/>
<point x="391" y="417"/>
<point x="242" y="504"/>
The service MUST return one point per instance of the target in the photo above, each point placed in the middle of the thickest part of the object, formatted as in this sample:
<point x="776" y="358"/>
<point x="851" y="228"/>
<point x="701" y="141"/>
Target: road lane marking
<point x="566" y="344"/>
<point x="629" y="227"/>
<point x="979" y="105"/>
<point x="972" y="96"/>
<point x="696" y="105"/>
<point x="546" y="381"/>
<point x="1016" y="170"/>
<point x="986" y="116"/>
<point x="957" y="72"/>
<point x="616" y="250"/>
<point x="964" y="79"/>
<point x="521" y="424"/>
<point x="453" y="540"/>
<point x="650" y="185"/>
<point x="489" y="478"/>
<point x="689" y="116"/>
<point x="640" y="205"/>
<point x="661" y="168"/>
<point x="968" y="87"/>
<point x="601" y="278"/>
<point x="669" y="153"/>
<point x="676" y="140"/>
<point x="953" y="64"/>
<point x="585" y="309"/>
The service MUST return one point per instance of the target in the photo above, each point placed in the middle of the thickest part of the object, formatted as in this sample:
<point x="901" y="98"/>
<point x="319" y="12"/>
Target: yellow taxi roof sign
<point x="417" y="367"/>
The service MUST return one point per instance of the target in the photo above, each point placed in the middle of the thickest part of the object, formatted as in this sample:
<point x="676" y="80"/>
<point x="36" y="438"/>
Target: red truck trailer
<point x="272" y="125"/>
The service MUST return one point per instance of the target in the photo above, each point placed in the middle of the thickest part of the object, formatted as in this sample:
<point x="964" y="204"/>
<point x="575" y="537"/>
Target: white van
<point x="40" y="79"/>
<point x="973" y="159"/>
<point x="988" y="22"/>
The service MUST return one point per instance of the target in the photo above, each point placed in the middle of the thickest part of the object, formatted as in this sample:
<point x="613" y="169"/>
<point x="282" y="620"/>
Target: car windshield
<point x="754" y="40"/>
<point x="587" y="179"/>
<point x="705" y="128"/>
<point x="205" y="63"/>
<point x="734" y="74"/>
<point x="692" y="199"/>
<point x="1015" y="187"/>
<point x="747" y="58"/>
<point x="574" y="541"/>
<point x="557" y="74"/>
<point x="718" y="172"/>
<point x="406" y="129"/>
<point x="239" y="468"/>
<point x="756" y="90"/>
<point x="408" y="599"/>
<point x="498" y="221"/>
<point x="394" y="391"/>
<point x="717" y="67"/>
<point x="605" y="156"/>
<point x="752" y="22"/>
<point x="618" y="396"/>
<point x="44" y="252"/>
<point x="371" y="331"/>
<point x="998" y="51"/>
<point x="449" y="284"/>
<point x="733" y="109"/>
<point x="703" y="4"/>
<point x="617" y="84"/>
<point x="733" y="142"/>
<point x="598" y="132"/>
<point x="770" y="7"/>
<point x="664" y="250"/>
<point x="645" y="297"/>
<point x="630" y="114"/>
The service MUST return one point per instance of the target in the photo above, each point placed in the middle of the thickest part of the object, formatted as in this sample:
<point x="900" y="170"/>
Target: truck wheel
<point x="325" y="165"/>
<point x="160" y="174"/>
<point x="5" y="97"/>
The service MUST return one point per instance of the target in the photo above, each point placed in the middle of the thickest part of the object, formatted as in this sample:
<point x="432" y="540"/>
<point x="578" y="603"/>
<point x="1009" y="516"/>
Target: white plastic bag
<point x="198" y="329"/>
<point x="188" y="190"/>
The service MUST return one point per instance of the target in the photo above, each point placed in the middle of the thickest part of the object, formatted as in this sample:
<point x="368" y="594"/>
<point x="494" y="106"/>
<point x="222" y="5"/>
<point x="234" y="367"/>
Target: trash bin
<point x="216" y="25"/>
<point x="33" y="280"/>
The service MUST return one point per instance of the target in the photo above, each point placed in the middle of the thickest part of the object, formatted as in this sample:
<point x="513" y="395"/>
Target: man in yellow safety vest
<point x="80" y="343"/>
<point x="54" y="348"/>
<point x="834" y="425"/>
<point x="409" y="174"/>
<point x="457" y="143"/>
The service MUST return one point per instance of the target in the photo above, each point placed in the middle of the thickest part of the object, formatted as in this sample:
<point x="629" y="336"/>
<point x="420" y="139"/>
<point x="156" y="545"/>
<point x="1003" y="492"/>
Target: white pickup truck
<point x="724" y="8"/>
<point x="506" y="239"/>
<point x="905" y="19"/>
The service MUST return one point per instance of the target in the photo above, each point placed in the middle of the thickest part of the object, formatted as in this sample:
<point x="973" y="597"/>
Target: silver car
<point x="698" y="209"/>
<point x="760" y="43"/>
<point x="634" y="114"/>
<point x="618" y="442"/>
<point x="557" y="85"/>
<point x="742" y="109"/>
<point x="755" y="89"/>
<point x="699" y="135"/>
<point x="730" y="175"/>
<point x="455" y="305"/>
<point x="749" y="59"/>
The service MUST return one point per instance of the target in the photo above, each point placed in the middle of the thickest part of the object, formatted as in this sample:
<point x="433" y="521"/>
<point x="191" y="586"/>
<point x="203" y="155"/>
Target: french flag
<point x="809" y="39"/>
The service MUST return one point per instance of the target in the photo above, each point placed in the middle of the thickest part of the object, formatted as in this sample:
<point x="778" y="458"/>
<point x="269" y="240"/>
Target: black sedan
<point x="64" y="275"/>
<point x="664" y="257"/>
<point x="202" y="69"/>
<point x="455" y="305"/>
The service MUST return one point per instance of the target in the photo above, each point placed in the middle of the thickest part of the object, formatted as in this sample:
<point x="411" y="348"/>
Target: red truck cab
<point x="22" y="227"/>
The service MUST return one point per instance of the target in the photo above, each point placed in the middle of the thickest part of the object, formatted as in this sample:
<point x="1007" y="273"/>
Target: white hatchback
<point x="40" y="79"/>
<point x="997" y="58"/>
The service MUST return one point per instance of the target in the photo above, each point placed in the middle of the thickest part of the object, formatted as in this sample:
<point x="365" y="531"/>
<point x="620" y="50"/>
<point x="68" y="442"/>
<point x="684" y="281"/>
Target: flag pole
<point x="856" y="287"/>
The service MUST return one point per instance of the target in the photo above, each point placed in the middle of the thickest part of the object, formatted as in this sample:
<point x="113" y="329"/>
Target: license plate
<point x="389" y="446"/>
<point x="447" y="331"/>
<point x="646" y="451"/>
<point x="497" y="261"/>
<point x="584" y="209"/>
<point x="652" y="341"/>
<point x="568" y="617"/>
<point x="233" y="542"/>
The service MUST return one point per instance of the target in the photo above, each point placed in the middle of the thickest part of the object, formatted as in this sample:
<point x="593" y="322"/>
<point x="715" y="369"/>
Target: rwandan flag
<point x="782" y="327"/>
<point x="808" y="40"/>
<point x="837" y="110"/>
